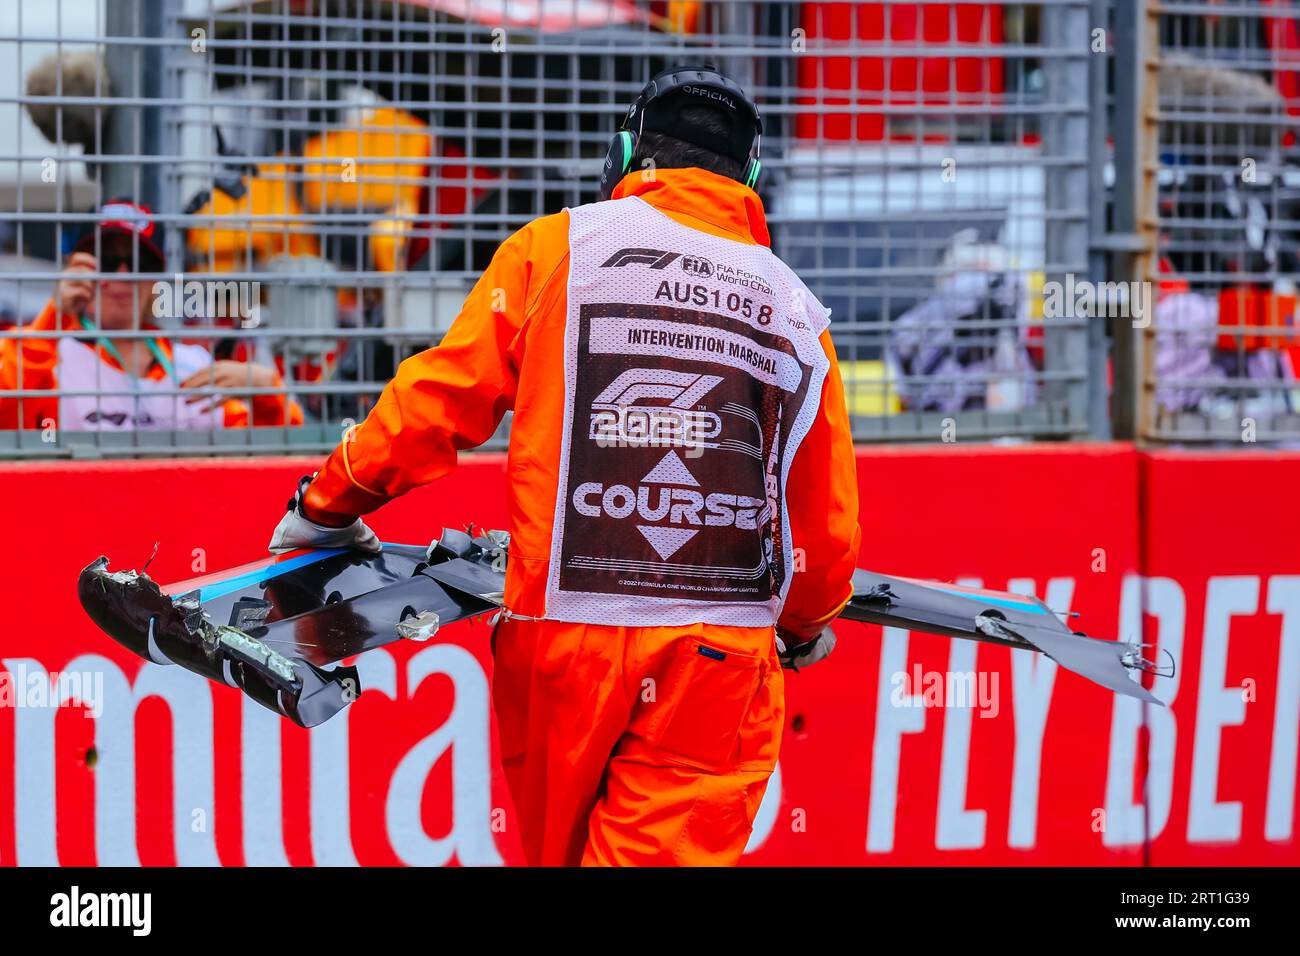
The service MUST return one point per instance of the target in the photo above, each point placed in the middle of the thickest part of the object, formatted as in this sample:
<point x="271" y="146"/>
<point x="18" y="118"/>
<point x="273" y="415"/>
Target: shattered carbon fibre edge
<point x="213" y="638"/>
<point x="130" y="604"/>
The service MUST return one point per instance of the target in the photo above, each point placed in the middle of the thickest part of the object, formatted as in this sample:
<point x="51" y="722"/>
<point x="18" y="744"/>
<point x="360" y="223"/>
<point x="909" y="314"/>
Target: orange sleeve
<point x="822" y="499"/>
<point x="447" y="398"/>
<point x="30" y="364"/>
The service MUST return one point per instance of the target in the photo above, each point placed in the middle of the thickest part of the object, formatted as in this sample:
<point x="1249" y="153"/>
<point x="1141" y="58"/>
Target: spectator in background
<point x="963" y="347"/>
<point x="1194" y="373"/>
<point x="132" y="383"/>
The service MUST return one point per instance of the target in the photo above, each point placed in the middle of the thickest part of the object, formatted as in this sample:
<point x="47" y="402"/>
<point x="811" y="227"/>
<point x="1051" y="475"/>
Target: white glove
<point x="798" y="656"/>
<point x="295" y="531"/>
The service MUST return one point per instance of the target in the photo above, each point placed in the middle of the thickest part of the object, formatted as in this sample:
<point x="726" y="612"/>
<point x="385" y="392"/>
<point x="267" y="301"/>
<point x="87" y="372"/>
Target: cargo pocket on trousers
<point x="698" y="716"/>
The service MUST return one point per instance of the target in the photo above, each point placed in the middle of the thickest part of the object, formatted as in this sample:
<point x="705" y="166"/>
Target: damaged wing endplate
<point x="1000" y="618"/>
<point x="279" y="628"/>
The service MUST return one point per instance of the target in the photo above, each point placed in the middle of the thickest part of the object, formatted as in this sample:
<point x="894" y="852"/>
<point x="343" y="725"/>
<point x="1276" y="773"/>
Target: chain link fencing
<point x="1219" y="362"/>
<point x="326" y="178"/>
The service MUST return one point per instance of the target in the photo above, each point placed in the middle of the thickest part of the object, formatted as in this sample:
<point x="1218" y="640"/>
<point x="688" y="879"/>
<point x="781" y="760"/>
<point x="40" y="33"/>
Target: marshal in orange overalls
<point x="621" y="745"/>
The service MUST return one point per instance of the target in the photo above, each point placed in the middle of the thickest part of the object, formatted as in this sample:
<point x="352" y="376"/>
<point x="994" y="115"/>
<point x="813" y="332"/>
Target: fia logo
<point x="700" y="267"/>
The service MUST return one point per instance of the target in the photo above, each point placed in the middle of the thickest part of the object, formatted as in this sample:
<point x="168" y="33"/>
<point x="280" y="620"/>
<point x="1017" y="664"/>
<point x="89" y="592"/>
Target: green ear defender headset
<point x="658" y="108"/>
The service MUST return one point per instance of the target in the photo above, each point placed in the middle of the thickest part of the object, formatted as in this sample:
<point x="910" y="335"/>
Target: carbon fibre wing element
<point x="279" y="628"/>
<point x="996" y="617"/>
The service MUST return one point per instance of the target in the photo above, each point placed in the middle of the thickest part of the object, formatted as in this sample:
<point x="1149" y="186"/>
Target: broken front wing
<point x="273" y="628"/>
<point x="279" y="628"/>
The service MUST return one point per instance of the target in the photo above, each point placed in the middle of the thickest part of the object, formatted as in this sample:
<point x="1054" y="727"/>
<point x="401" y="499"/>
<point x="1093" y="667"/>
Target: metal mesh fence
<point x="325" y="178"/>
<point x="1221" y="356"/>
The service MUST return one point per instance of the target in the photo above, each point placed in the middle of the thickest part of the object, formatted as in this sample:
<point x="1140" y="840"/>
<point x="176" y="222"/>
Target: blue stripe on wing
<point x="210" y="591"/>
<point x="1012" y="601"/>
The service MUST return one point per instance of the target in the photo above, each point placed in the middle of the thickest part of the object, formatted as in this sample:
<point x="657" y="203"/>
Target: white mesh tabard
<point x="692" y="371"/>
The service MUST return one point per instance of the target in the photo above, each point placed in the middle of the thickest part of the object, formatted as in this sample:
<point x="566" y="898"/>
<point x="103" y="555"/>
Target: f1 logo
<point x="680" y="389"/>
<point x="655" y="258"/>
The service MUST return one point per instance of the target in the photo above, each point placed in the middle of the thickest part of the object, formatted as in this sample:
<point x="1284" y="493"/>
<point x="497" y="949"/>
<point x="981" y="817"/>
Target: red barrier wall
<point x="1221" y="536"/>
<point x="1044" y="768"/>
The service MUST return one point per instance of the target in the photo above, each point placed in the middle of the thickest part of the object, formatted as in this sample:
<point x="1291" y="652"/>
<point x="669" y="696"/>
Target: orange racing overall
<point x="638" y="694"/>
